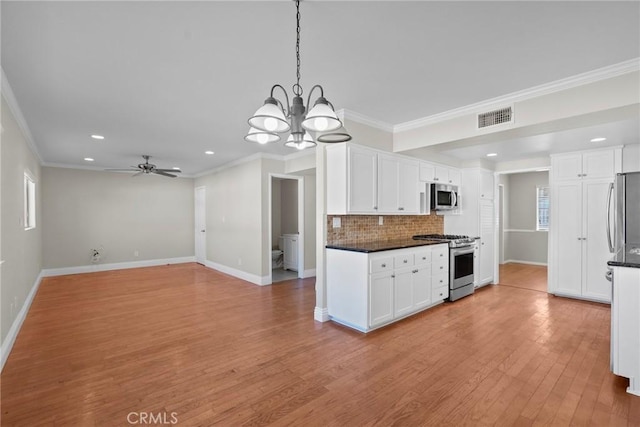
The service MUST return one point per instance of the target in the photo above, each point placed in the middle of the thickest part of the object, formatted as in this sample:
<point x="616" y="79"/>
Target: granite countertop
<point x="628" y="256"/>
<point x="383" y="245"/>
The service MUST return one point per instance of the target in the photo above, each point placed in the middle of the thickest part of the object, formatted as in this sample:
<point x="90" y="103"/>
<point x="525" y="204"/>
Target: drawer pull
<point x="441" y="267"/>
<point x="440" y="280"/>
<point x="393" y="276"/>
<point x="415" y="271"/>
<point x="424" y="258"/>
<point x="404" y="261"/>
<point x="383" y="265"/>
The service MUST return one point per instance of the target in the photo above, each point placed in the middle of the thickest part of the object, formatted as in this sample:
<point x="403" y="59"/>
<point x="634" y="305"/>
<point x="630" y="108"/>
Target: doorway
<point x="286" y="227"/>
<point x="523" y="228"/>
<point x="200" y="225"/>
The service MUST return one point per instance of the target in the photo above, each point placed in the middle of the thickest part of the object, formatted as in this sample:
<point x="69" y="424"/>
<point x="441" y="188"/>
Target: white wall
<point x="83" y="209"/>
<point x="234" y="217"/>
<point x="20" y="249"/>
<point x="522" y="241"/>
<point x="631" y="158"/>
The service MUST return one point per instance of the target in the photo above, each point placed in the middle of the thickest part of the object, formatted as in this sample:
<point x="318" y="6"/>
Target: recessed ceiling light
<point x="492" y="154"/>
<point x="176" y="168"/>
<point x="88" y="159"/>
<point x="599" y="139"/>
<point x="208" y="152"/>
<point x="97" y="136"/>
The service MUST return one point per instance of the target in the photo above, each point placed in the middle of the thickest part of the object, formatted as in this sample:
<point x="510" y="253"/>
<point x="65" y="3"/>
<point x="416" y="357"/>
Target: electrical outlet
<point x="337" y="222"/>
<point x="380" y="220"/>
<point x="239" y="261"/>
<point x="136" y="253"/>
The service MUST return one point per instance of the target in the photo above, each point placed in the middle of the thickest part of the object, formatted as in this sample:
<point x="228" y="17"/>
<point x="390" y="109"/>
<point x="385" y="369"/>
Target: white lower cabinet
<point x="369" y="290"/>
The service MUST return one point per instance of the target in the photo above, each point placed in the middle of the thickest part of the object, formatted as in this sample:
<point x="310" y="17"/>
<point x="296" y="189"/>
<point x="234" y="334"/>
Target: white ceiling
<point x="173" y="79"/>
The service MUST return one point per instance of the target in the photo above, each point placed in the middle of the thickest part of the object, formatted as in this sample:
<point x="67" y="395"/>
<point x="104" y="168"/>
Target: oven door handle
<point x="462" y="250"/>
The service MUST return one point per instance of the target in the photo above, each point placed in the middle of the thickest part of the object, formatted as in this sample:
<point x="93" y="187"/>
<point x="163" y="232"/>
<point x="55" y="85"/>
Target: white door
<point x="380" y="298"/>
<point x="200" y="225"/>
<point x="403" y="292"/>
<point x="487" y="244"/>
<point x="567" y="204"/>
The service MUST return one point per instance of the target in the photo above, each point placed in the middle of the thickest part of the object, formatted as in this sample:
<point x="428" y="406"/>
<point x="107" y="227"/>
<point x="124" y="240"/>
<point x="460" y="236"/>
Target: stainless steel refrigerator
<point x="626" y="202"/>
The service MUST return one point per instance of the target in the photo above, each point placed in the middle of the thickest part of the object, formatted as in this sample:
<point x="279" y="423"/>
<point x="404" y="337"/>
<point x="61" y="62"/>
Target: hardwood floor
<point x="525" y="276"/>
<point x="209" y="349"/>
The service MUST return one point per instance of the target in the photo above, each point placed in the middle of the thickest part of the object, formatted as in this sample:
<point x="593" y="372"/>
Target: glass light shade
<point x="321" y="118"/>
<point x="339" y="135"/>
<point x="270" y="118"/>
<point x="261" y="137"/>
<point x="307" y="142"/>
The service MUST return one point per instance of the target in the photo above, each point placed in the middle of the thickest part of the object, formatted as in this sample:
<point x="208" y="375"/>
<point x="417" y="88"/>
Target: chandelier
<point x="272" y="119"/>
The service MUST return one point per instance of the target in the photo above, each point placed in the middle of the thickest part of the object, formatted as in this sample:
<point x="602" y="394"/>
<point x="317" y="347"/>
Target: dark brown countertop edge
<point x="380" y="246"/>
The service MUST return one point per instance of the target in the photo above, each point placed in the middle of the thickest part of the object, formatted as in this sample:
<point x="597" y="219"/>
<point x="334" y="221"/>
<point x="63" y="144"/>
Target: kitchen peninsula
<point x="374" y="283"/>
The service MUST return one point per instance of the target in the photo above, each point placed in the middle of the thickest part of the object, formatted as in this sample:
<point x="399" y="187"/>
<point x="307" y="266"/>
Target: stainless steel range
<point x="461" y="272"/>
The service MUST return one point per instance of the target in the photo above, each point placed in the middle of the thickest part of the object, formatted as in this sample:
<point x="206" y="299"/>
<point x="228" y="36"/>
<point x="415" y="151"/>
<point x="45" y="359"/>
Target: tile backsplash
<point x="363" y="228"/>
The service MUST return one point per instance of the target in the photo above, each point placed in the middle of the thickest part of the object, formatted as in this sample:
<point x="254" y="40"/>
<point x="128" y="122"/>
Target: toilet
<point x="277" y="255"/>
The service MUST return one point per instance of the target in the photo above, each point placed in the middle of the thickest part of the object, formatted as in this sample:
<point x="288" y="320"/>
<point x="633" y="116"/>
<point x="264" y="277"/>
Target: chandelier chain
<point x="297" y="89"/>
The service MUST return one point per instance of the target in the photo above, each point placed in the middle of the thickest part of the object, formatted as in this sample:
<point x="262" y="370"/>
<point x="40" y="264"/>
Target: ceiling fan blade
<point x="169" y="170"/>
<point x="136" y="174"/>
<point x="123" y="170"/>
<point x="159" y="172"/>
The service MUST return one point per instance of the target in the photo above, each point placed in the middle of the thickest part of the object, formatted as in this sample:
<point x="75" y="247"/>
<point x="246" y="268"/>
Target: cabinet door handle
<point x="424" y="258"/>
<point x="383" y="265"/>
<point x="441" y="255"/>
<point x="440" y="280"/>
<point x="404" y="261"/>
<point x="415" y="271"/>
<point x="441" y="267"/>
<point x="482" y="243"/>
<point x="400" y="209"/>
<point x="375" y="207"/>
<point x="393" y="276"/>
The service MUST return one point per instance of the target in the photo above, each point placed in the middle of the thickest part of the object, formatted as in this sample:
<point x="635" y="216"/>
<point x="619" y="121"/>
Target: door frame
<point x="196" y="230"/>
<point x="300" y="180"/>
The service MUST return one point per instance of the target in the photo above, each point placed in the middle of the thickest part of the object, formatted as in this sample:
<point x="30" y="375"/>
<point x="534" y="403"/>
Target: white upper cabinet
<point x="361" y="187"/>
<point x="397" y="185"/>
<point x="408" y="192"/>
<point x="588" y="164"/>
<point x="431" y="172"/>
<point x="361" y="180"/>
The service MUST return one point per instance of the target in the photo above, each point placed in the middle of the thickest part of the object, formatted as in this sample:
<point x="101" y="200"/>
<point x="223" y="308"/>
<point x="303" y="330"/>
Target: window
<point x="29" y="202"/>
<point x="542" y="208"/>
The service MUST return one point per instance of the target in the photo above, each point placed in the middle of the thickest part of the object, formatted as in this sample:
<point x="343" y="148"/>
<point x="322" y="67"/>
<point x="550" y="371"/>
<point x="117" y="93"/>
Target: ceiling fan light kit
<point x="272" y="118"/>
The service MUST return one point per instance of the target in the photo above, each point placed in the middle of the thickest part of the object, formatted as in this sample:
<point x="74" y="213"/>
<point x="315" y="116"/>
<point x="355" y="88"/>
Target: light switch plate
<point x="337" y="222"/>
<point x="380" y="220"/>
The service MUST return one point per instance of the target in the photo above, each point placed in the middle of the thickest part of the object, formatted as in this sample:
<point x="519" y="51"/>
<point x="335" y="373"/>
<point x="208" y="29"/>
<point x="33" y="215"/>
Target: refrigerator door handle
<point x="610" y="193"/>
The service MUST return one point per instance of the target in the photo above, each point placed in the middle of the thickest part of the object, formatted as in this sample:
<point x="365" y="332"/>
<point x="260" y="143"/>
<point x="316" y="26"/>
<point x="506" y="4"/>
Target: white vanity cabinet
<point x="290" y="251"/>
<point x="369" y="290"/>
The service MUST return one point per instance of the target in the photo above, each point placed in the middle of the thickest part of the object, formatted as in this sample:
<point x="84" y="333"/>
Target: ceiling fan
<point x="147" y="168"/>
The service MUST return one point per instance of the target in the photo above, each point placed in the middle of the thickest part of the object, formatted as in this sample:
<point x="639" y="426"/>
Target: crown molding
<point x="8" y="95"/>
<point x="240" y="161"/>
<point x="364" y="120"/>
<point x="593" y="76"/>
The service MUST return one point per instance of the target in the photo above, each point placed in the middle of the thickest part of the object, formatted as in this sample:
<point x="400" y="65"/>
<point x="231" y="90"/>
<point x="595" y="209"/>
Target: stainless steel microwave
<point x="444" y="197"/>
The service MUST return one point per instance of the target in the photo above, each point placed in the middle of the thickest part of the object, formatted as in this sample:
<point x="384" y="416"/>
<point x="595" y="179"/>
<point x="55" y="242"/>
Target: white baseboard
<point x="10" y="339"/>
<point x="309" y="273"/>
<point x="519" y="261"/>
<point x="253" y="278"/>
<point x="48" y="272"/>
<point x="321" y="314"/>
